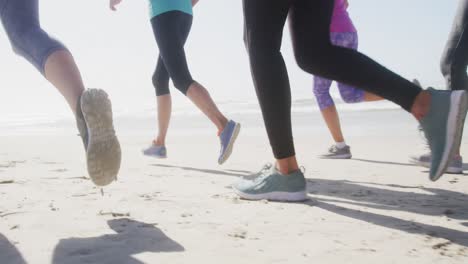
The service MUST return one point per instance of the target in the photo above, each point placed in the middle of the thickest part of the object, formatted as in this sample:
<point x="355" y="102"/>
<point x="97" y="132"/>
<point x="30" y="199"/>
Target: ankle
<point x="159" y="142"/>
<point x="421" y="105"/>
<point x="286" y="171"/>
<point x="341" y="144"/>
<point x="222" y="125"/>
<point x="287" y="166"/>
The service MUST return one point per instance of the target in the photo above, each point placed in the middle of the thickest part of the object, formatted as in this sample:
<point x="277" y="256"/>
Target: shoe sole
<point x="274" y="196"/>
<point x="450" y="170"/>
<point x="230" y="146"/>
<point x="454" y="170"/>
<point x="103" y="153"/>
<point x="154" y="156"/>
<point x="342" y="156"/>
<point x="457" y="114"/>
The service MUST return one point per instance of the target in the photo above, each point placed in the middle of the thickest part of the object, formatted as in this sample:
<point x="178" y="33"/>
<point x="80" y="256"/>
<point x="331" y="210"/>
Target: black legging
<point x="310" y="30"/>
<point x="455" y="57"/>
<point x="171" y="31"/>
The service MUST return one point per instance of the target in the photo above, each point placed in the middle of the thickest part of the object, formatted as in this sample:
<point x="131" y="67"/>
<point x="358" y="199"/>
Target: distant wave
<point x="232" y="107"/>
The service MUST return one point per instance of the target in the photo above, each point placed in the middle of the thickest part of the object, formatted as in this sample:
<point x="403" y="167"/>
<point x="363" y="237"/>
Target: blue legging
<point x="20" y="18"/>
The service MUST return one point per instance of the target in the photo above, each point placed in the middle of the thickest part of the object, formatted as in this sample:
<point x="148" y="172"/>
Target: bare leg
<point x="202" y="99"/>
<point x="421" y="105"/>
<point x="330" y="115"/>
<point x="164" y="117"/>
<point x="287" y="165"/>
<point x="62" y="72"/>
<point x="332" y="119"/>
<point x="370" y="97"/>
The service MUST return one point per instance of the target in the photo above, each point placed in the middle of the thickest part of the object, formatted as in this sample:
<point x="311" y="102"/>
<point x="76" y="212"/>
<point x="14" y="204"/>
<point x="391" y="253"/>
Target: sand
<point x="376" y="208"/>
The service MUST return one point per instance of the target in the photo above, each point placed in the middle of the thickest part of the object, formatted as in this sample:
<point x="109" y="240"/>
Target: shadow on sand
<point x="132" y="238"/>
<point x="385" y="162"/>
<point x="234" y="173"/>
<point x="9" y="254"/>
<point x="465" y="165"/>
<point x="334" y="195"/>
<point x="337" y="195"/>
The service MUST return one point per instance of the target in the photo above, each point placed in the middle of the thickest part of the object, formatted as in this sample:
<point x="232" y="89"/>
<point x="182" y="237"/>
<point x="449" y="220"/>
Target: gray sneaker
<point x="443" y="126"/>
<point x="455" y="165"/>
<point x="274" y="186"/>
<point x="159" y="152"/>
<point x="337" y="153"/>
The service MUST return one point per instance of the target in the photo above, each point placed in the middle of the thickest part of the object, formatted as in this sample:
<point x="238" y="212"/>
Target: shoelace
<point x="302" y="169"/>
<point x="333" y="149"/>
<point x="260" y="174"/>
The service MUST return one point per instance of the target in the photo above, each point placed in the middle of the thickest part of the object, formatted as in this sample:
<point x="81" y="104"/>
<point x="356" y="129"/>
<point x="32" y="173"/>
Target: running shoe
<point x="423" y="160"/>
<point x="227" y="138"/>
<point x="455" y="165"/>
<point x="443" y="126"/>
<point x="274" y="186"/>
<point x="335" y="152"/>
<point x="81" y="124"/>
<point x="103" y="154"/>
<point x="155" y="151"/>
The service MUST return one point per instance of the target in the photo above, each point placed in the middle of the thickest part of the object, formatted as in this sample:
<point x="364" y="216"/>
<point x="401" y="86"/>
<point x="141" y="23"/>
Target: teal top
<point x="158" y="7"/>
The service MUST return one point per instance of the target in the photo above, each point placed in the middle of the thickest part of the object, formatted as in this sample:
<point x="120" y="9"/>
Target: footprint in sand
<point x="114" y="214"/>
<point x="7" y="182"/>
<point x="371" y="250"/>
<point x="455" y="180"/>
<point x="447" y="248"/>
<point x="12" y="164"/>
<point x="229" y="197"/>
<point x="59" y="170"/>
<point x="442" y="245"/>
<point x="51" y="163"/>
<point x="150" y="197"/>
<point x="53" y="207"/>
<point x="79" y="178"/>
<point x="238" y="233"/>
<point x="362" y="193"/>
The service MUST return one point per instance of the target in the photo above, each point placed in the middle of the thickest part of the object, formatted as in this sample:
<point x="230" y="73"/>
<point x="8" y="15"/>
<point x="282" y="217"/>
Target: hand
<point x="113" y="3"/>
<point x="346" y="3"/>
<point x="194" y="2"/>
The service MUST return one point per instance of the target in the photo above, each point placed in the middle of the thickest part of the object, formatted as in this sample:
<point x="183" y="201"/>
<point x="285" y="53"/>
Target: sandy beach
<point x="375" y="208"/>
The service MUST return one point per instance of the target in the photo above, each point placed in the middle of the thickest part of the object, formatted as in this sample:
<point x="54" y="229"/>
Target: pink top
<point x="341" y="22"/>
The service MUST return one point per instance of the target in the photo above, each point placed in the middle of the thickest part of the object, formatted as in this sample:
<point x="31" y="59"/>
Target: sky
<point x="116" y="51"/>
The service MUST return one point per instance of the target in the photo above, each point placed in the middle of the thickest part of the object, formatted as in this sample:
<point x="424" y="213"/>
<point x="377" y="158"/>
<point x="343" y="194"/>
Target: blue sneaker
<point x="443" y="127"/>
<point x="274" y="186"/>
<point x="159" y="152"/>
<point x="228" y="137"/>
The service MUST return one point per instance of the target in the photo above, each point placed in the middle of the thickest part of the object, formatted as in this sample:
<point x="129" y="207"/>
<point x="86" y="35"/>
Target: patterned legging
<point x="322" y="85"/>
